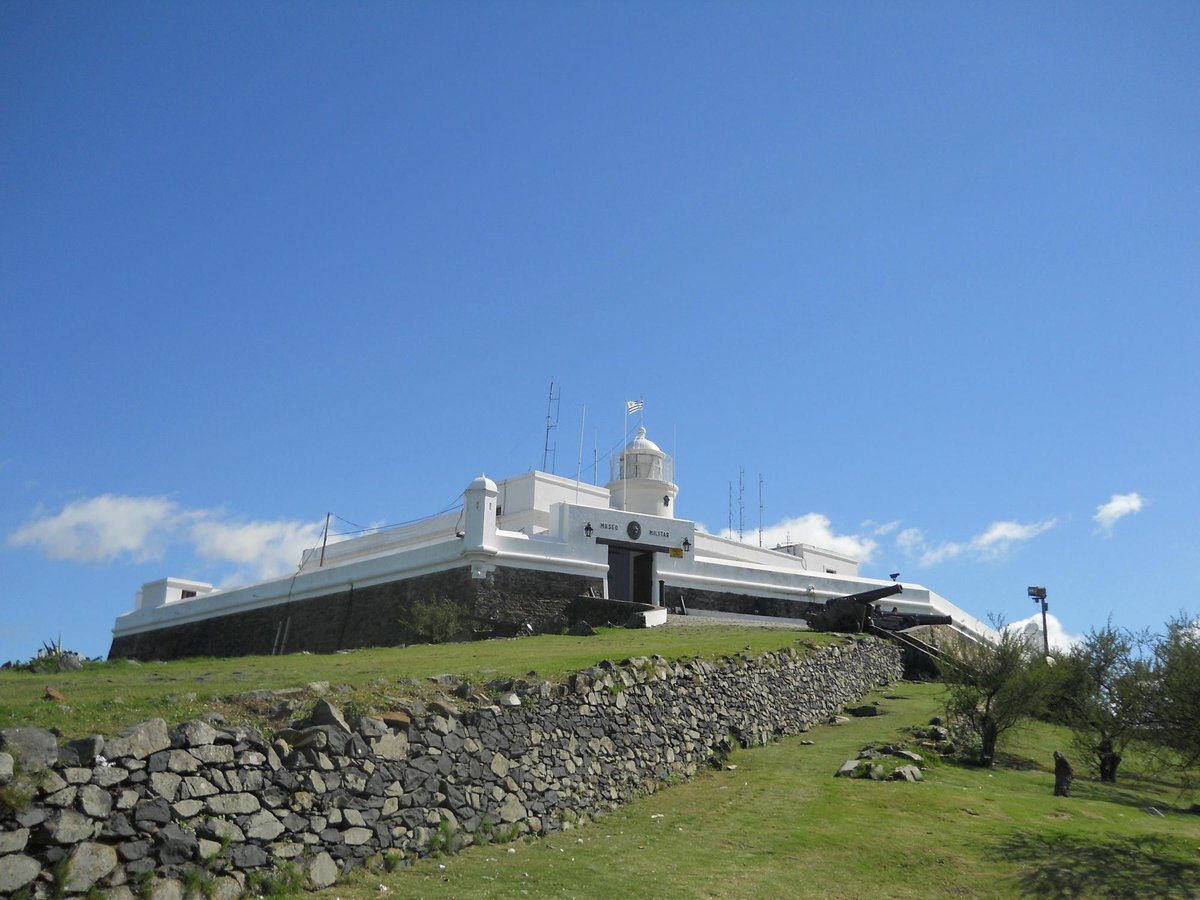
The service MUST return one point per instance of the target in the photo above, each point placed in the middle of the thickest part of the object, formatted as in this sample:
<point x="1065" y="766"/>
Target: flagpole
<point x="623" y="461"/>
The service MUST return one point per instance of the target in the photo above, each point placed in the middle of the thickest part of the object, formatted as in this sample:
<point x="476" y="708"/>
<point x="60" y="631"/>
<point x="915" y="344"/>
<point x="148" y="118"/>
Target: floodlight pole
<point x="1039" y="596"/>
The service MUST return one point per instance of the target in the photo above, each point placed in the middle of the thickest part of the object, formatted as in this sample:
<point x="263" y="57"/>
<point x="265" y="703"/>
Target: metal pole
<point x="324" y="540"/>
<point x="1045" y="631"/>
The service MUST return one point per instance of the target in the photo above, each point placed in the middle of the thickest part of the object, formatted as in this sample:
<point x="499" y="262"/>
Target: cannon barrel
<point x="849" y="613"/>
<point x="866" y="596"/>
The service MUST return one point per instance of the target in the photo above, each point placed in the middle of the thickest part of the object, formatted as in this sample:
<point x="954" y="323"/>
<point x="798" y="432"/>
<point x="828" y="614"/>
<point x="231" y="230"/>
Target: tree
<point x="1100" y="690"/>
<point x="990" y="688"/>
<point x="1173" y="720"/>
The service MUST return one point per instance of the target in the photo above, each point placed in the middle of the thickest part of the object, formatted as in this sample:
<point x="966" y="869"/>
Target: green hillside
<point x="776" y="823"/>
<point x="773" y="822"/>
<point x="105" y="696"/>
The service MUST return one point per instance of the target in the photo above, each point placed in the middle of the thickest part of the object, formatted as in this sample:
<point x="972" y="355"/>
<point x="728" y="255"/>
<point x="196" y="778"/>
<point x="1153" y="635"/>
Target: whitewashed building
<point x="531" y="548"/>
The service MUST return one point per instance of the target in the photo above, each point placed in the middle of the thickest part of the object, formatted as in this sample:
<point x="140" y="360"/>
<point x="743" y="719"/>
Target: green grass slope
<point x="104" y="697"/>
<point x="776" y="823"/>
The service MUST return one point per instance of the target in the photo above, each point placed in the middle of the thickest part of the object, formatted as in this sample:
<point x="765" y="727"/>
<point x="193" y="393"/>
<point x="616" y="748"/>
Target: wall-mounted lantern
<point x="666" y="499"/>
<point x="687" y="545"/>
<point x="587" y="529"/>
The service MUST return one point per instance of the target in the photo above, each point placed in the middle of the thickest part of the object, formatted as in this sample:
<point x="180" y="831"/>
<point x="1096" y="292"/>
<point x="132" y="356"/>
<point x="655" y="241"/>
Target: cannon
<point x="850" y="613"/>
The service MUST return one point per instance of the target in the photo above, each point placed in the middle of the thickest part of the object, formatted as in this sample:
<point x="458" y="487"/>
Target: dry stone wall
<point x="155" y="810"/>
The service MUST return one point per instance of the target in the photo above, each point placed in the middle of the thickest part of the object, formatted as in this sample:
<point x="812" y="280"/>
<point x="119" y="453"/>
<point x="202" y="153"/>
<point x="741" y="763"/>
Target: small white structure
<point x="170" y="590"/>
<point x="518" y="537"/>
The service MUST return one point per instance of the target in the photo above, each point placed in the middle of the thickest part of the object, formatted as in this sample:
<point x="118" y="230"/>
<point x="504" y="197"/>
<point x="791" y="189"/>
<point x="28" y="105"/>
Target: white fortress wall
<point x="963" y="621"/>
<point x="314" y="582"/>
<point x="803" y="557"/>
<point x="427" y="531"/>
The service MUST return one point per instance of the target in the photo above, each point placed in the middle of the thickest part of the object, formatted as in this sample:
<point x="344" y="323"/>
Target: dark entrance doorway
<point x="631" y="575"/>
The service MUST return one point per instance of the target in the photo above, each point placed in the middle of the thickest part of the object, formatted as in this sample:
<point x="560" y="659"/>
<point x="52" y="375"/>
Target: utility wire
<point x="364" y="529"/>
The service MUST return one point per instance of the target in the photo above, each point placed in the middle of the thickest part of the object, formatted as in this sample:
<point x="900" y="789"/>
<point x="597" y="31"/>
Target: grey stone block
<point x="13" y="841"/>
<point x="16" y="871"/>
<point x="249" y="856"/>
<point x="95" y="801"/>
<point x="149" y="813"/>
<point x="138" y="741"/>
<point x="325" y="713"/>
<point x="195" y="733"/>
<point x="232" y="804"/>
<point x="263" y="826"/>
<point x="322" y="871"/>
<point x="36" y="748"/>
<point x="88" y="863"/>
<point x="67" y="827"/>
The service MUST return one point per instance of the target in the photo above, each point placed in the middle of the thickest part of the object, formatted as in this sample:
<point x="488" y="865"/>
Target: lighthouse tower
<point x="642" y="479"/>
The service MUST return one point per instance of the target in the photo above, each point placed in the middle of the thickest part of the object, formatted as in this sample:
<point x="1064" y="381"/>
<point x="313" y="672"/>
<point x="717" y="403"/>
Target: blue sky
<point x="931" y="270"/>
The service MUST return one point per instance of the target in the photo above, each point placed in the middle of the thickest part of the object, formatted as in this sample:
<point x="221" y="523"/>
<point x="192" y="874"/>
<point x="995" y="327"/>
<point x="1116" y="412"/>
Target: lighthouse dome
<point x="642" y="478"/>
<point x="643" y="444"/>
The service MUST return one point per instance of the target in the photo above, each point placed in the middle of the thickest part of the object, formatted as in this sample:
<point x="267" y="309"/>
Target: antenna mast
<point x="741" y="502"/>
<point x="731" y="510"/>
<point x="760" y="509"/>
<point x="548" y="452"/>
<point x="579" y="461"/>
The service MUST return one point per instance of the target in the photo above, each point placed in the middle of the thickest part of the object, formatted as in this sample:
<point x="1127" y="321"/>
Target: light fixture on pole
<point x="1039" y="596"/>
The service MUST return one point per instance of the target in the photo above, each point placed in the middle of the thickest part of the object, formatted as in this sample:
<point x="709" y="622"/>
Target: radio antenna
<point x="741" y="502"/>
<point x="548" y="451"/>
<point x="760" y="509"/>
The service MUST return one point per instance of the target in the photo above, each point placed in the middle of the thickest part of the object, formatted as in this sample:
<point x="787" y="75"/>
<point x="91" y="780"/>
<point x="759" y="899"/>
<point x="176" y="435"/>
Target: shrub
<point x="432" y="621"/>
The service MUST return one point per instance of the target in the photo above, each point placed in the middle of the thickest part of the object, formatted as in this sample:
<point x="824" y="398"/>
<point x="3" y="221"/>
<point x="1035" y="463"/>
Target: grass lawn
<point x="775" y="823"/>
<point x="779" y="825"/>
<point x="106" y="696"/>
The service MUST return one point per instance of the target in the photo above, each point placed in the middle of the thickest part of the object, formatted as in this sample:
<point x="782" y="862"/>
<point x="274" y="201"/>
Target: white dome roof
<point x="482" y="483"/>
<point x="643" y="444"/>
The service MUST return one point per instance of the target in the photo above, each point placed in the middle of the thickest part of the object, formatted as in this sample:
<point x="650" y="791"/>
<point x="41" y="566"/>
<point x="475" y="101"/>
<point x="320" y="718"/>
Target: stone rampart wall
<point x="361" y="616"/>
<point x="746" y="604"/>
<point x="224" y="803"/>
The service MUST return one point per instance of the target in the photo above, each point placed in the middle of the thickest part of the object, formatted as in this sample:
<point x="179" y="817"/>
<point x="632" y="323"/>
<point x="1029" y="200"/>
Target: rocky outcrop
<point x="216" y="802"/>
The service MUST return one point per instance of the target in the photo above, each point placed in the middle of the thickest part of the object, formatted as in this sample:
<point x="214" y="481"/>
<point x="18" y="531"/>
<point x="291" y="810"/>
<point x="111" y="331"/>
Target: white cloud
<point x="815" y="529"/>
<point x="140" y="529"/>
<point x="260" y="549"/>
<point x="910" y="540"/>
<point x="993" y="543"/>
<point x="878" y="529"/>
<point x="102" y="528"/>
<point x="1117" y="507"/>
<point x="940" y="553"/>
<point x="1000" y="536"/>
<point x="1032" y="627"/>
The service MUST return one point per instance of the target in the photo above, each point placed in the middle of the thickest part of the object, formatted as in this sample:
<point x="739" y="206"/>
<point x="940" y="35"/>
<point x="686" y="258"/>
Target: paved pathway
<point x="711" y="617"/>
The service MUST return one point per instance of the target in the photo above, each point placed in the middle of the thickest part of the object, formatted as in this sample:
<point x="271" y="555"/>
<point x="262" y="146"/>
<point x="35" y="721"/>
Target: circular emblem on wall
<point x="634" y="530"/>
